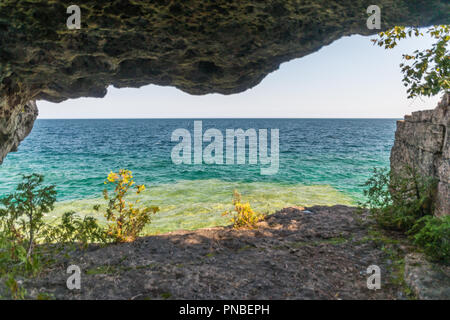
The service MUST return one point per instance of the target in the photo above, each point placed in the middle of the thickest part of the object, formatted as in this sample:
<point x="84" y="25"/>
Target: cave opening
<point x="77" y="142"/>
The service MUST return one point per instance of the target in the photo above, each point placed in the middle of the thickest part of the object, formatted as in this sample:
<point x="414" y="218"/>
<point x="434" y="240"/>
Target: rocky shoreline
<point x="318" y="253"/>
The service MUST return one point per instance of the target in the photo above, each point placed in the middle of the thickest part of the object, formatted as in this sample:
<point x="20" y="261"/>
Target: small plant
<point x="16" y="291"/>
<point x="433" y="235"/>
<point x="22" y="227"/>
<point x="243" y="215"/>
<point x="73" y="229"/>
<point x="397" y="201"/>
<point x="404" y="202"/>
<point x="23" y="210"/>
<point x="13" y="256"/>
<point x="377" y="190"/>
<point x="127" y="219"/>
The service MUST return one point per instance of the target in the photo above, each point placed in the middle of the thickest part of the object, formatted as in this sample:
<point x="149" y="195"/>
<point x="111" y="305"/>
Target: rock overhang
<point x="198" y="46"/>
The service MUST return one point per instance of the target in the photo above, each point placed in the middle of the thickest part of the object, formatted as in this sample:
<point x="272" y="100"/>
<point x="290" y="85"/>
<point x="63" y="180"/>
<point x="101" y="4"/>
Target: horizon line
<point x="240" y="118"/>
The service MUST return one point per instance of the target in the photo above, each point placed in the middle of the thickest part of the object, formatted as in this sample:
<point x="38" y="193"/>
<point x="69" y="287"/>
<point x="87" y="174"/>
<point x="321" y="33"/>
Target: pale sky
<point x="350" y="78"/>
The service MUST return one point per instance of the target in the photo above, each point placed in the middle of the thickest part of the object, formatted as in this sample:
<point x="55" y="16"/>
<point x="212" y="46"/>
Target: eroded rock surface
<point x="422" y="143"/>
<point x="14" y="127"/>
<point x="320" y="253"/>
<point x="197" y="46"/>
<point x="429" y="281"/>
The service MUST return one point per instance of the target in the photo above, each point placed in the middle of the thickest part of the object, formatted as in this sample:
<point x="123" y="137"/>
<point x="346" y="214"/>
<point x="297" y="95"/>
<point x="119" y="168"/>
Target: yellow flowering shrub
<point x="243" y="215"/>
<point x="126" y="218"/>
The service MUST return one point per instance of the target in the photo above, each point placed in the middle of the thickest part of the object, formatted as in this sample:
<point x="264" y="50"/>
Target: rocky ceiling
<point x="198" y="46"/>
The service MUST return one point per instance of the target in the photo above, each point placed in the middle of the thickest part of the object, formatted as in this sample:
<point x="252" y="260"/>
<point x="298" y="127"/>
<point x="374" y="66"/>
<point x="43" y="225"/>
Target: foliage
<point x="398" y="201"/>
<point x="404" y="202"/>
<point x="14" y="260"/>
<point x="17" y="292"/>
<point x="23" y="210"/>
<point x="22" y="227"/>
<point x="14" y="257"/>
<point x="377" y="192"/>
<point x="243" y="215"/>
<point x="127" y="219"/>
<point x="73" y="229"/>
<point x="433" y="235"/>
<point x="426" y="72"/>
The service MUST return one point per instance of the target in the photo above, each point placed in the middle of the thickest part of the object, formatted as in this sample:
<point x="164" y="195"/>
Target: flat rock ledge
<point x="296" y="253"/>
<point x="429" y="281"/>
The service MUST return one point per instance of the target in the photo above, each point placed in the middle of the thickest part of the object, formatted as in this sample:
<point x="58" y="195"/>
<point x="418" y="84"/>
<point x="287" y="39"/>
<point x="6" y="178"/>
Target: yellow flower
<point x="112" y="177"/>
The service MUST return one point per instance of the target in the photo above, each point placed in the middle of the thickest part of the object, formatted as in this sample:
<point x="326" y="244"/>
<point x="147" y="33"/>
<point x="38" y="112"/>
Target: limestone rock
<point x="15" y="128"/>
<point x="291" y="255"/>
<point x="421" y="143"/>
<point x="429" y="281"/>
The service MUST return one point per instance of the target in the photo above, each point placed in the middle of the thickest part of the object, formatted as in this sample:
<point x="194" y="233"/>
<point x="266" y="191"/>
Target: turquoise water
<point x="322" y="161"/>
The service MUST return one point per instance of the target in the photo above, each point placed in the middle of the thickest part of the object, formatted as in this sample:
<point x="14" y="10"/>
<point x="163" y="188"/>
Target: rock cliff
<point x="421" y="143"/>
<point x="198" y="46"/>
<point x="16" y="126"/>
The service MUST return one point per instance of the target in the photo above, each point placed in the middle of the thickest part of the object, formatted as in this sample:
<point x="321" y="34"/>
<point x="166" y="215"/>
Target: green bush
<point x="72" y="229"/>
<point x="398" y="201"/>
<point x="433" y="235"/>
<point x="405" y="203"/>
<point x="21" y="213"/>
<point x="377" y="190"/>
<point x="22" y="227"/>
<point x="14" y="258"/>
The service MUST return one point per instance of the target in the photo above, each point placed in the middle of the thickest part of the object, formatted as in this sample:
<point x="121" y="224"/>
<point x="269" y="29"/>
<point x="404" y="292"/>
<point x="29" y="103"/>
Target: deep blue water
<point x="76" y="155"/>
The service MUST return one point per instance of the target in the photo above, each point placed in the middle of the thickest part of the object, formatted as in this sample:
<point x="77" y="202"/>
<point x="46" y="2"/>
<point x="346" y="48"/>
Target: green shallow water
<point x="199" y="204"/>
<point x="321" y="162"/>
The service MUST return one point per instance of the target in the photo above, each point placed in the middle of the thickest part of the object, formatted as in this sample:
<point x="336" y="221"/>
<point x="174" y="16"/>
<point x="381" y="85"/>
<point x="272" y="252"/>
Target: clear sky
<point x="350" y="78"/>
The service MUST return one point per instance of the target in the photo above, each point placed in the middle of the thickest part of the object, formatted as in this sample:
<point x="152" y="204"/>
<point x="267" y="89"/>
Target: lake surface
<point x="321" y="161"/>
